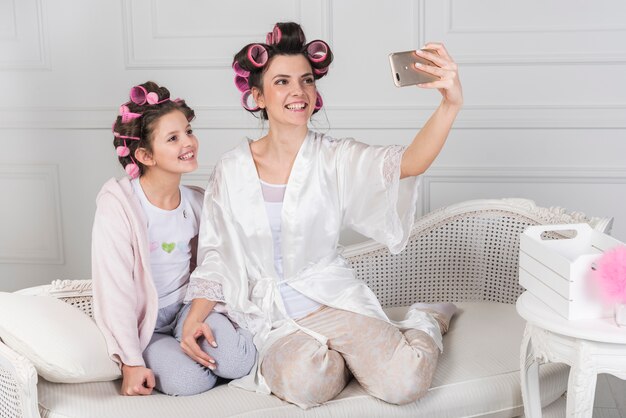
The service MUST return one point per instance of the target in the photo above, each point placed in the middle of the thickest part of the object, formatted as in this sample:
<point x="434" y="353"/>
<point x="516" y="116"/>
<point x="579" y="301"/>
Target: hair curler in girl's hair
<point x="258" y="55"/>
<point x="139" y="95"/>
<point x="132" y="169"/>
<point x="123" y="150"/>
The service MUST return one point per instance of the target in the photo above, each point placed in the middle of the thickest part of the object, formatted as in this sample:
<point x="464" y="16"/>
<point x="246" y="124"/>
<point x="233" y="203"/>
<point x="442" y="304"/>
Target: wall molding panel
<point x="196" y="43"/>
<point x="464" y="177"/>
<point x="23" y="44"/>
<point x="31" y="230"/>
<point x="588" y="36"/>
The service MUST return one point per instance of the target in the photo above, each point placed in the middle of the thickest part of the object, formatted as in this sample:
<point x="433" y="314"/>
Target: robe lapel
<point x="292" y="217"/>
<point x="249" y="211"/>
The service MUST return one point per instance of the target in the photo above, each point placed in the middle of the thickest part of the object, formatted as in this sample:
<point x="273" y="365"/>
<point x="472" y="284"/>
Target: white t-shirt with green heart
<point x="170" y="233"/>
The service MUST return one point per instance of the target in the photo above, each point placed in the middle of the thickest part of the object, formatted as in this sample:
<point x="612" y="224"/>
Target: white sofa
<point x="465" y="253"/>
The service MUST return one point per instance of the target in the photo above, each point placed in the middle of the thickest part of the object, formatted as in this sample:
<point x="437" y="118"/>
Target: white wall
<point x="544" y="119"/>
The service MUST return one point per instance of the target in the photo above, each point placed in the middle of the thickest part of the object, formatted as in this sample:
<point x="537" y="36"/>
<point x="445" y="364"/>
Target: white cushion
<point x="477" y="375"/>
<point x="63" y="343"/>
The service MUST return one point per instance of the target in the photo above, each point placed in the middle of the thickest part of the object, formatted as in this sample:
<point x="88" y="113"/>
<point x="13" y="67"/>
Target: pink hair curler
<point x="317" y="51"/>
<point x="240" y="71"/>
<point x="124" y="109"/>
<point x="274" y="37"/>
<point x="123" y="150"/>
<point x="139" y="95"/>
<point x="247" y="101"/>
<point x="276" y="34"/>
<point x="117" y="135"/>
<point x="128" y="116"/>
<point x="320" y="71"/>
<point x="318" y="101"/>
<point x="257" y="55"/>
<point x="132" y="170"/>
<point x="241" y="83"/>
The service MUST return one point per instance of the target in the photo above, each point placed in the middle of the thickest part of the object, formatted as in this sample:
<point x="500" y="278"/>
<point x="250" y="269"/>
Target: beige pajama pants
<point x="390" y="365"/>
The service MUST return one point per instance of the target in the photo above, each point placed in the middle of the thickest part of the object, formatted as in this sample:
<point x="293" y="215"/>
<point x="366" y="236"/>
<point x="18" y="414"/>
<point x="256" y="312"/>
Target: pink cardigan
<point x="125" y="301"/>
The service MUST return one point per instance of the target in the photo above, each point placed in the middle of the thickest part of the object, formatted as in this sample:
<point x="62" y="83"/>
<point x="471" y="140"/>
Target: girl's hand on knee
<point x="137" y="380"/>
<point x="192" y="330"/>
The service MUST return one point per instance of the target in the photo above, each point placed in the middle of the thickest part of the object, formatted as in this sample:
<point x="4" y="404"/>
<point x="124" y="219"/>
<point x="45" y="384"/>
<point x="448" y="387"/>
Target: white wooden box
<point x="558" y="271"/>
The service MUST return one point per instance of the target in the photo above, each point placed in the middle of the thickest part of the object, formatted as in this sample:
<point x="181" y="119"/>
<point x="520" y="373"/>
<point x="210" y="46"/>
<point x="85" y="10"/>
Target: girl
<point x="143" y="249"/>
<point x="272" y="216"/>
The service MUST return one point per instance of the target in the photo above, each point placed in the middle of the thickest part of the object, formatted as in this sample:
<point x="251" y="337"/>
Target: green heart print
<point x="168" y="247"/>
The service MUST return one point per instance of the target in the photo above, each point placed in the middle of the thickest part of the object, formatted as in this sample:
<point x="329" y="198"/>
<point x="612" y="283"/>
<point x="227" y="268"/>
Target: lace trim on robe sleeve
<point x="205" y="289"/>
<point x="391" y="165"/>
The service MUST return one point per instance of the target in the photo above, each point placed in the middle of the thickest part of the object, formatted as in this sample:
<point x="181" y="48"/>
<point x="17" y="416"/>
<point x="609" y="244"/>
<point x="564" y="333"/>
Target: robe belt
<point x="266" y="289"/>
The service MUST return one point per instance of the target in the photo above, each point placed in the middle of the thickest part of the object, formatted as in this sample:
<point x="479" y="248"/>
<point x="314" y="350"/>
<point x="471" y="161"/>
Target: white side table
<point x="590" y="347"/>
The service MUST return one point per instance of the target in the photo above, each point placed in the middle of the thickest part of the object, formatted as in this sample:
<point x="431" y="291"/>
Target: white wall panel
<point x="514" y="32"/>
<point x="30" y="213"/>
<point x="162" y="34"/>
<point x="592" y="190"/>
<point x="22" y="35"/>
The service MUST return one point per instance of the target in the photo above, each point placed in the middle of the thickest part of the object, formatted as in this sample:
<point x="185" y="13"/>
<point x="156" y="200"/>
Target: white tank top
<point x="296" y="304"/>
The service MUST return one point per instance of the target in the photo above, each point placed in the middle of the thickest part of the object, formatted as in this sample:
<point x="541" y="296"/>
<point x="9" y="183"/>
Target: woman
<point x="271" y="220"/>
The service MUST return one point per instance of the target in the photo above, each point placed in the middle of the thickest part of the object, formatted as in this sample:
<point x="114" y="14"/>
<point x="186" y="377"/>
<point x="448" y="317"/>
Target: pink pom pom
<point x="132" y="170"/>
<point x="611" y="274"/>
<point x="122" y="151"/>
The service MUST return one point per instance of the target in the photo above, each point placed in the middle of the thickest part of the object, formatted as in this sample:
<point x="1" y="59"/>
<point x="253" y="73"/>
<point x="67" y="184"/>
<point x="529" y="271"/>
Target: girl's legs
<point x="235" y="353"/>
<point x="179" y="375"/>
<point x="300" y="370"/>
<point x="175" y="373"/>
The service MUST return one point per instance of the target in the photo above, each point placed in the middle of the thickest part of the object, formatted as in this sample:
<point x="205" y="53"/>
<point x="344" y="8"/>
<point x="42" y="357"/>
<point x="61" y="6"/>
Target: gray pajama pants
<point x="176" y="373"/>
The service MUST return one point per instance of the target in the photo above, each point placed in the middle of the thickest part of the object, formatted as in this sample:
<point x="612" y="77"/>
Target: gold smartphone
<point x="403" y="69"/>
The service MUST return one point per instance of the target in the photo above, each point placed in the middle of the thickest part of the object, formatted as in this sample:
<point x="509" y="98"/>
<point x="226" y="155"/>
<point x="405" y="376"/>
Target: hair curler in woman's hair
<point x="274" y="36"/>
<point x="240" y="71"/>
<point x="318" y="101"/>
<point x="317" y="50"/>
<point x="258" y="55"/>
<point x="320" y="71"/>
<point x="241" y="83"/>
<point x="247" y="101"/>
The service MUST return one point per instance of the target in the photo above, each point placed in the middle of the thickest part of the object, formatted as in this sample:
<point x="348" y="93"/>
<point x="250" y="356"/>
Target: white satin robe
<point x="333" y="184"/>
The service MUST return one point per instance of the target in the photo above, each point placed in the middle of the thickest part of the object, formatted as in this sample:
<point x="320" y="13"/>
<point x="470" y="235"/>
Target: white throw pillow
<point x="63" y="343"/>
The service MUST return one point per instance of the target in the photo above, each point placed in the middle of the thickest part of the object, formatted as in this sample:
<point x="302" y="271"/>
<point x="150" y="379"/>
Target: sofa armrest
<point x="463" y="252"/>
<point x="18" y="385"/>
